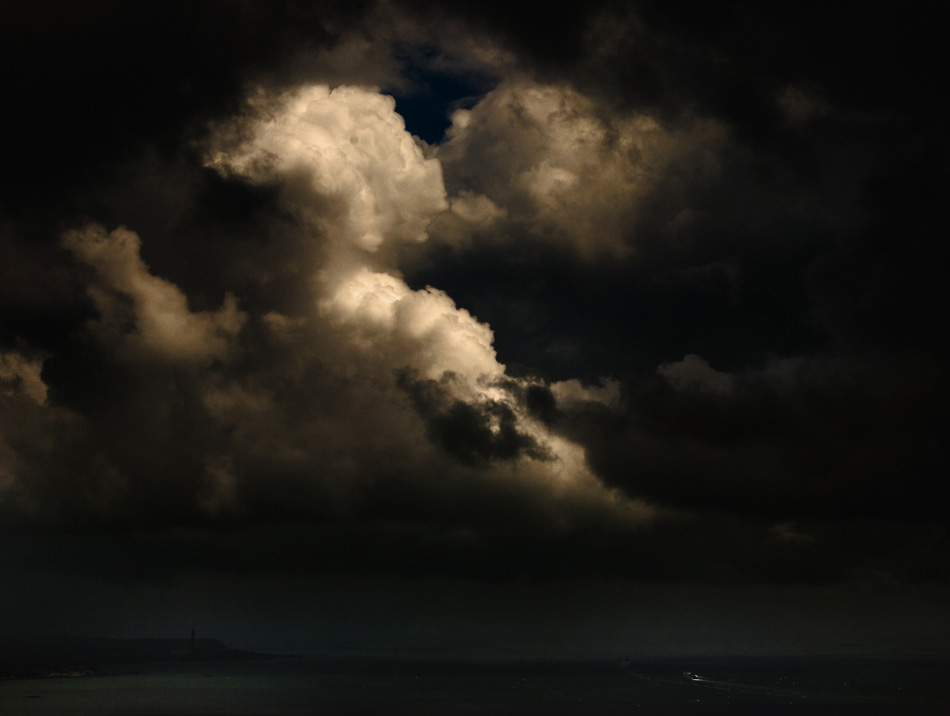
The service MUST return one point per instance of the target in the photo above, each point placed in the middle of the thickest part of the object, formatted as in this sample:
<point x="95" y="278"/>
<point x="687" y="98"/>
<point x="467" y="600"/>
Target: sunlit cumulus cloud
<point x="144" y="315"/>
<point x="369" y="390"/>
<point x="361" y="398"/>
<point x="367" y="183"/>
<point x="350" y="145"/>
<point x="432" y="334"/>
<point x="564" y="168"/>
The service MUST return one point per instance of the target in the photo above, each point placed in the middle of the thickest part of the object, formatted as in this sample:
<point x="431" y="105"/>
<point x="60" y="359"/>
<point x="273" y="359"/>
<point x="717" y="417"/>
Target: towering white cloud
<point x="361" y="396"/>
<point x="424" y="327"/>
<point x="353" y="151"/>
<point x="368" y="184"/>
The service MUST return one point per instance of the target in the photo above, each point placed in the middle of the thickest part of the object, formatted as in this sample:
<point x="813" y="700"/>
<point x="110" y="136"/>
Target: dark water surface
<point x="324" y="685"/>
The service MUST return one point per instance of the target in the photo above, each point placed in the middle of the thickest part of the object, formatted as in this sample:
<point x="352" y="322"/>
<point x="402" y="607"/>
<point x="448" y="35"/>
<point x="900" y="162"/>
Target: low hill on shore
<point x="36" y="656"/>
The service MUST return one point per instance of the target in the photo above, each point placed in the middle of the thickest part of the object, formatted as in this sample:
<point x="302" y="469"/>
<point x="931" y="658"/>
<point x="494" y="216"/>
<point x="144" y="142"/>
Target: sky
<point x="498" y="329"/>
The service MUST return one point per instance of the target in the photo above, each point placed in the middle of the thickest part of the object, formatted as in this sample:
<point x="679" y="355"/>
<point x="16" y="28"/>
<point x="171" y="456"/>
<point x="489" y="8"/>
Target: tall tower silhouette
<point x="194" y="647"/>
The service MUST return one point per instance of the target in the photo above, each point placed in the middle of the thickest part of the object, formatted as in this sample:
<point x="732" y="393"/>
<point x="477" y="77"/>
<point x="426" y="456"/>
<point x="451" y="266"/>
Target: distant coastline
<point x="72" y="656"/>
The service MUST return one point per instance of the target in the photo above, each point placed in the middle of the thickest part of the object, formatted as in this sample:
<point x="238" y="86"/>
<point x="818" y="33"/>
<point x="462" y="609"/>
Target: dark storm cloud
<point x="476" y="434"/>
<point x="800" y="267"/>
<point x="870" y="289"/>
<point x="799" y="439"/>
<point x="786" y="273"/>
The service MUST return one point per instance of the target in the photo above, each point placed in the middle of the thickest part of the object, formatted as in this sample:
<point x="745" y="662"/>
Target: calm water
<point x="320" y="685"/>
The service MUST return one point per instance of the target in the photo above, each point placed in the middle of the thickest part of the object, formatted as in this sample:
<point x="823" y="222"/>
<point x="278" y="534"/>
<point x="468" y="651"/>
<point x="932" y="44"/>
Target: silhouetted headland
<point x="39" y="656"/>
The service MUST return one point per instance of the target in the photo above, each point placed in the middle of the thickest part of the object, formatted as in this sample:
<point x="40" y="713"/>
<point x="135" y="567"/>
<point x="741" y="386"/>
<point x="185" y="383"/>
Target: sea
<point x="357" y="686"/>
